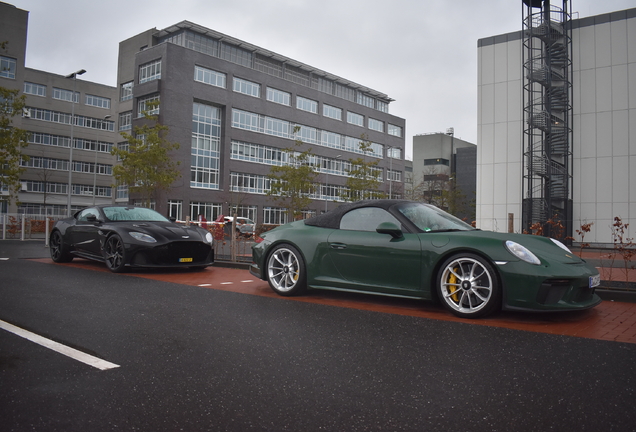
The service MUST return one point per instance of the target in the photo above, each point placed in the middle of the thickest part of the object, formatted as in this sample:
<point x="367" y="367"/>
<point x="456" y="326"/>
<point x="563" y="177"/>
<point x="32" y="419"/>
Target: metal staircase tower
<point x="547" y="94"/>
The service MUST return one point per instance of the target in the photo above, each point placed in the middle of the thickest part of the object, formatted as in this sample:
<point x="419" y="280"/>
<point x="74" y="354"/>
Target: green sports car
<point x="408" y="249"/>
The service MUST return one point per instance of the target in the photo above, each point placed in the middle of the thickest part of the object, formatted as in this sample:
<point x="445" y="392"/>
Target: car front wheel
<point x="468" y="286"/>
<point x="57" y="248"/>
<point x="115" y="254"/>
<point x="286" y="271"/>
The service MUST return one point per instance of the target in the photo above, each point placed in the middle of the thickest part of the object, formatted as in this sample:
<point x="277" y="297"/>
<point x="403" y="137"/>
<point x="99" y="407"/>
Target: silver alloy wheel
<point x="283" y="270"/>
<point x="466" y="285"/>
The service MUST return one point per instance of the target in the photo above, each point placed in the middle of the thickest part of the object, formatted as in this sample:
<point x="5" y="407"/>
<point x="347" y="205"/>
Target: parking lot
<point x="217" y="350"/>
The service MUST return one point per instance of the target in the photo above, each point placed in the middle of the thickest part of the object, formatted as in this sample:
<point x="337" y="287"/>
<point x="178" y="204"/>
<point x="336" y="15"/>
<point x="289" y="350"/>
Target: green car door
<point x="373" y="261"/>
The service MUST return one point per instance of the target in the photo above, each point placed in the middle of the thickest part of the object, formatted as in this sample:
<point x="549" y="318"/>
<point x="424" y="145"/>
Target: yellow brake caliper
<point x="452" y="279"/>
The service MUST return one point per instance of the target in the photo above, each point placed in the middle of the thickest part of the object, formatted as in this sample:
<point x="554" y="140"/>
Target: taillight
<point x="258" y="239"/>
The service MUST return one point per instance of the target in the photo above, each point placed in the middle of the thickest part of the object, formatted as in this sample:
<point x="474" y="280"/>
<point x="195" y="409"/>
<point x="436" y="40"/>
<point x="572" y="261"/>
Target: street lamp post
<point x="451" y="131"/>
<point x="327" y="185"/>
<point x="72" y="76"/>
<point x="95" y="167"/>
<point x="390" y="176"/>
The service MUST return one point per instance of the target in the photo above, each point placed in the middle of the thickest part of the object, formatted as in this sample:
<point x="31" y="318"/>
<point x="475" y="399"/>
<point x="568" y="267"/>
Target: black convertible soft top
<point x="332" y="219"/>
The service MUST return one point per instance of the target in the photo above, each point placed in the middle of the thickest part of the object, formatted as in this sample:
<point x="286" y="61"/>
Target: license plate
<point x="190" y="260"/>
<point x="595" y="281"/>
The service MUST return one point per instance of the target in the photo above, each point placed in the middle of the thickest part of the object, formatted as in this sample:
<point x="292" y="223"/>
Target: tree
<point x="146" y="166"/>
<point x="362" y="181"/>
<point x="293" y="183"/>
<point x="12" y="140"/>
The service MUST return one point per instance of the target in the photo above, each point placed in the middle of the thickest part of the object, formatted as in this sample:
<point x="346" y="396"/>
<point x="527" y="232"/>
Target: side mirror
<point x="172" y="219"/>
<point x="91" y="218"/>
<point x="389" y="228"/>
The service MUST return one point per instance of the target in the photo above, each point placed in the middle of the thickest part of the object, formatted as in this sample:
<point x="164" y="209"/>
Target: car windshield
<point x="430" y="218"/>
<point x="133" y="214"/>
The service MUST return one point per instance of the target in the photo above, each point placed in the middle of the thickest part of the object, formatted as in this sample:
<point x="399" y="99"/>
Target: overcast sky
<point x="422" y="53"/>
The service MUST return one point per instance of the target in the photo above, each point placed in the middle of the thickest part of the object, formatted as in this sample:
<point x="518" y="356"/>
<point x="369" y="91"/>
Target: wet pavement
<point x="611" y="320"/>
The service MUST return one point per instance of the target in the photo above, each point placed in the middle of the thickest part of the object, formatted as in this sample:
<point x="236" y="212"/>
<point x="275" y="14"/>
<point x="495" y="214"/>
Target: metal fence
<point x="237" y="248"/>
<point x="25" y="227"/>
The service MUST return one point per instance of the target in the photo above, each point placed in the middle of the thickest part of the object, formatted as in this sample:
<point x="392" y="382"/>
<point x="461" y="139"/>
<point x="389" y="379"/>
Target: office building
<point x="233" y="107"/>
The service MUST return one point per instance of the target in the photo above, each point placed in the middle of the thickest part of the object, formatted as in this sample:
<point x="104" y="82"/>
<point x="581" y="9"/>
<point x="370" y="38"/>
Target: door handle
<point x="337" y="246"/>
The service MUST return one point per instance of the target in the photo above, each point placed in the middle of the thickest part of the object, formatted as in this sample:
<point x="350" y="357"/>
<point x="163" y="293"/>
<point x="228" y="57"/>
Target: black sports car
<point x="126" y="236"/>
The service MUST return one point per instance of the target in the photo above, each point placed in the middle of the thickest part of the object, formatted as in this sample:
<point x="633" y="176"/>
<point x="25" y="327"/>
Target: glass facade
<point x="205" y="148"/>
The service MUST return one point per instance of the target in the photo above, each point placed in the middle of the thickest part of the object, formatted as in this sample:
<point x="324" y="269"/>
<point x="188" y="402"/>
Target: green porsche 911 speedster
<point x="408" y="249"/>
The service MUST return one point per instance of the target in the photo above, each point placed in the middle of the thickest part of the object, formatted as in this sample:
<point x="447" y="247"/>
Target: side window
<point x="83" y="216"/>
<point x="366" y="219"/>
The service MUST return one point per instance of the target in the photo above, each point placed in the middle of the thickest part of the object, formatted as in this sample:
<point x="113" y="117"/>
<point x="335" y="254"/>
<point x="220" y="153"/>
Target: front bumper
<point x="548" y="288"/>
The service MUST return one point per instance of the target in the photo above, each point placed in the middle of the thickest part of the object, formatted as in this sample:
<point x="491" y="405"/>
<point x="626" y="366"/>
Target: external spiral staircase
<point x="547" y="114"/>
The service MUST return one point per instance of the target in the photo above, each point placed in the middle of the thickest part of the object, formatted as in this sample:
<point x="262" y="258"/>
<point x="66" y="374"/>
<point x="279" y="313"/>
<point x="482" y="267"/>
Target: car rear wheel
<point x="286" y="271"/>
<point x="115" y="254"/>
<point x="468" y="286"/>
<point x="57" y="248"/>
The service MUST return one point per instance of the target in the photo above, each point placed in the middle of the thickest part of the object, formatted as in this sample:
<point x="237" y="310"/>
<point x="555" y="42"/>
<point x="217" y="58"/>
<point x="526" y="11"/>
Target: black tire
<point x="58" y="249"/>
<point x="286" y="272"/>
<point x="115" y="254"/>
<point x="468" y="286"/>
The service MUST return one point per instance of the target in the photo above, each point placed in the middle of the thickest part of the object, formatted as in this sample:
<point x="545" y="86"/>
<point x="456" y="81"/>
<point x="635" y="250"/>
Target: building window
<point x="249" y="183"/>
<point x="144" y="104"/>
<point x="258" y="153"/>
<point x="382" y="106"/>
<point x="438" y="161"/>
<point x="274" y="216"/>
<point x="126" y="91"/>
<point x="268" y="66"/>
<point x="331" y="112"/>
<point x="34" y="89"/>
<point x="7" y="67"/>
<point x="175" y="209"/>
<point x="65" y="118"/>
<point x="97" y="101"/>
<point x="306" y="104"/>
<point x="206" y="138"/>
<point x="65" y="95"/>
<point x="355" y="119"/>
<point x="365" y="100"/>
<point x="250" y="212"/>
<point x="209" y="76"/>
<point x="278" y="96"/>
<point x="210" y="211"/>
<point x="376" y="125"/>
<point x="393" y="175"/>
<point x="150" y="71"/>
<point x="395" y="130"/>
<point x="122" y="193"/>
<point x="236" y="55"/>
<point x="393" y="152"/>
<point x="345" y="92"/>
<point x="125" y="121"/>
<point x="247" y="87"/>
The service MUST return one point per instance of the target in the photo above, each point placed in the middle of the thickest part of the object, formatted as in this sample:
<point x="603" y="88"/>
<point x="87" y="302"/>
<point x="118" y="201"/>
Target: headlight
<point x="142" y="237"/>
<point x="209" y="238"/>
<point x="522" y="252"/>
<point x="561" y="245"/>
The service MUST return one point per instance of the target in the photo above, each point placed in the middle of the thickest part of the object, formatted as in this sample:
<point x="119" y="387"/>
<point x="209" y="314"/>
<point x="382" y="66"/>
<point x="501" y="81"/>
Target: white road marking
<point x="246" y="281"/>
<point x="226" y="283"/>
<point x="203" y="285"/>
<point x="58" y="347"/>
<point x="4" y="259"/>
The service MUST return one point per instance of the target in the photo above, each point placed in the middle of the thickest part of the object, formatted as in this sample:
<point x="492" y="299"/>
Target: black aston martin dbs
<point x="127" y="236"/>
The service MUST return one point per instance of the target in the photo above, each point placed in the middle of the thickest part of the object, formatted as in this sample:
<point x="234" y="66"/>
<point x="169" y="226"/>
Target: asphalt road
<point x="198" y="359"/>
